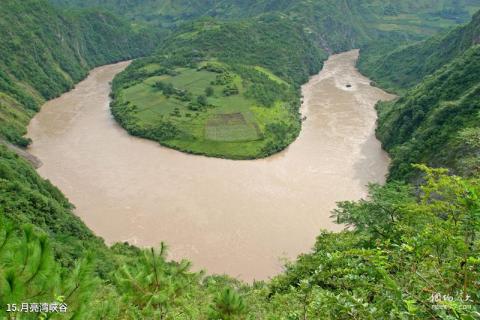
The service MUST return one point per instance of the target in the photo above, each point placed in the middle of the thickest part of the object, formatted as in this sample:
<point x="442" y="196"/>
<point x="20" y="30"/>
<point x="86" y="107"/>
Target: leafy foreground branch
<point x="408" y="254"/>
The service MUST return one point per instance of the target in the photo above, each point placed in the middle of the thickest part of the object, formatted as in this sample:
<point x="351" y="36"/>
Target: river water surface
<point x="236" y="217"/>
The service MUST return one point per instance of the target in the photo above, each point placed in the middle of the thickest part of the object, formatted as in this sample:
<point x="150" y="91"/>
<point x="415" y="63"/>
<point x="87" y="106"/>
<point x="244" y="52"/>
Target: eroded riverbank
<point x="234" y="217"/>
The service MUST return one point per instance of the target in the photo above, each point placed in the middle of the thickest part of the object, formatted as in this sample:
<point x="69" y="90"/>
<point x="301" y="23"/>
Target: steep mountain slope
<point x="437" y="122"/>
<point x="46" y="51"/>
<point x="407" y="66"/>
<point x="436" y="119"/>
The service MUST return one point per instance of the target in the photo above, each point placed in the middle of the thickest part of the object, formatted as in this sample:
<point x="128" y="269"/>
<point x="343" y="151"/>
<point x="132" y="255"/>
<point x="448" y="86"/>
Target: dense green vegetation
<point x="437" y="122"/>
<point x="411" y="252"/>
<point x="46" y="51"/>
<point x="28" y="199"/>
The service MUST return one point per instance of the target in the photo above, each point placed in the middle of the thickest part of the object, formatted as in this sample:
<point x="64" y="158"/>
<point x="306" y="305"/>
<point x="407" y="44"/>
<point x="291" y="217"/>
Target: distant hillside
<point x="269" y="41"/>
<point x="338" y="24"/>
<point x="169" y="12"/>
<point x="45" y="51"/>
<point x="408" y="65"/>
<point x="331" y="20"/>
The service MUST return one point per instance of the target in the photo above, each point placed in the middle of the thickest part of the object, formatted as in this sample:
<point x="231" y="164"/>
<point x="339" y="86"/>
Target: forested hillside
<point x="436" y="119"/>
<point x="270" y="41"/>
<point x="45" y="51"/>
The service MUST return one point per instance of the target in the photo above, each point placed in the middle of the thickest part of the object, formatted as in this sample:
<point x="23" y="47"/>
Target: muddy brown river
<point x="242" y="218"/>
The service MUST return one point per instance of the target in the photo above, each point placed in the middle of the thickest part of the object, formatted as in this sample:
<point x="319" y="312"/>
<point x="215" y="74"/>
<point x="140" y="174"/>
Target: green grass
<point x="192" y="80"/>
<point x="151" y="67"/>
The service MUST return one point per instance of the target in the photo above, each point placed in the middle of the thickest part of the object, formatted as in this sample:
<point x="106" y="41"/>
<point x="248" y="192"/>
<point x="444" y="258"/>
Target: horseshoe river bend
<point x="242" y="218"/>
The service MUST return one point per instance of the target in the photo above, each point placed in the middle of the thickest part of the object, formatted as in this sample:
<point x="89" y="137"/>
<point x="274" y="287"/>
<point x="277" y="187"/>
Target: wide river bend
<point x="241" y="218"/>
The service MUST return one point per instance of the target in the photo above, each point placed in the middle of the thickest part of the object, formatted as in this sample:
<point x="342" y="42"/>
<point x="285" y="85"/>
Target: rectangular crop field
<point x="230" y="127"/>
